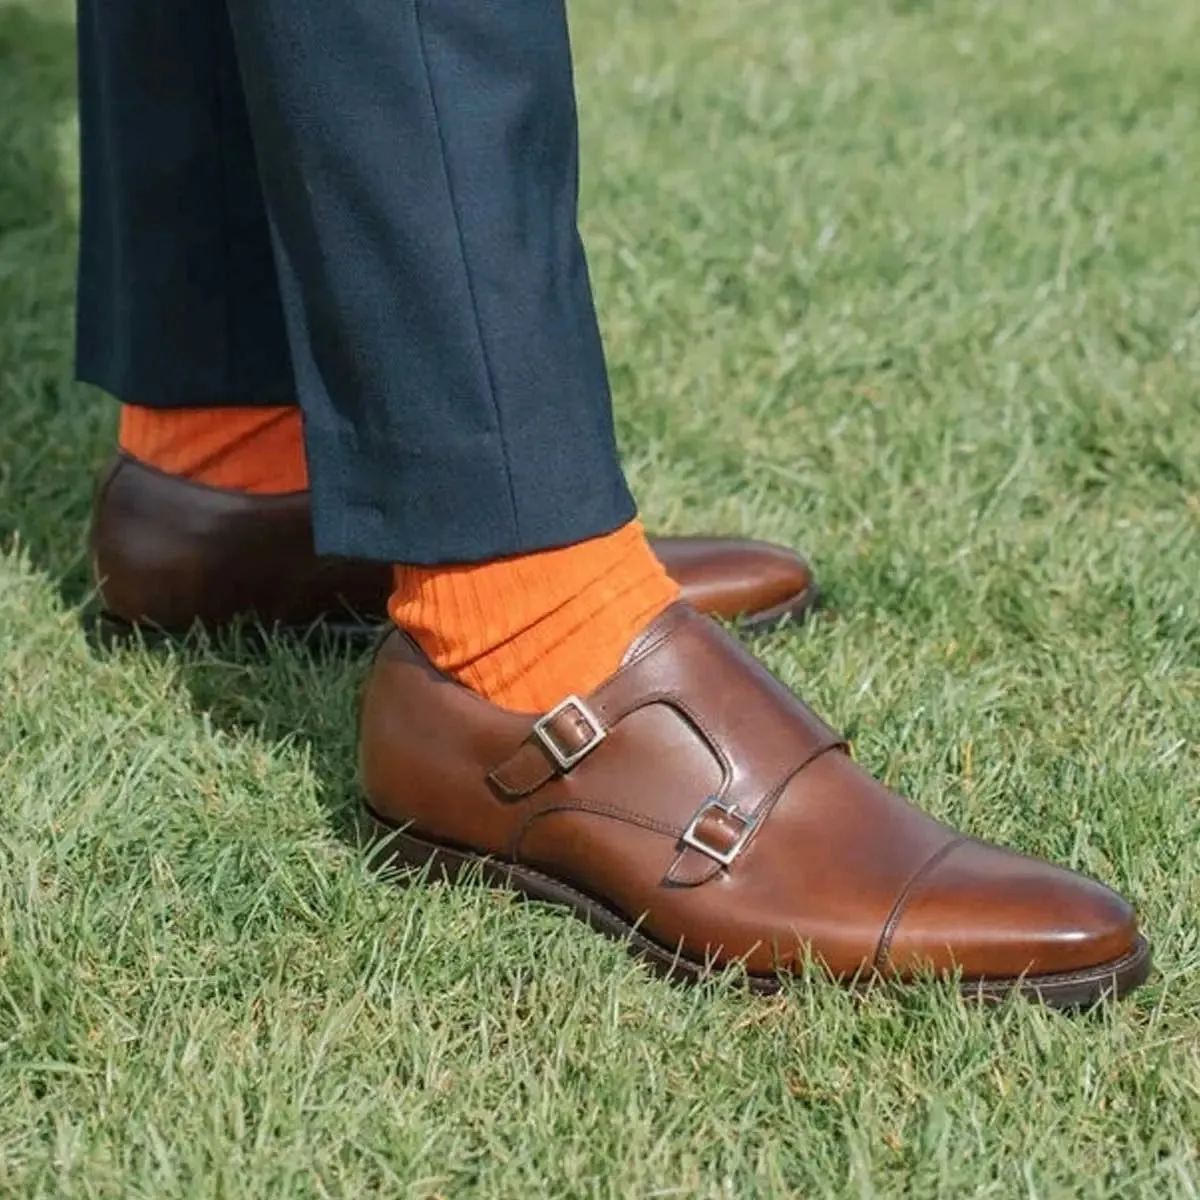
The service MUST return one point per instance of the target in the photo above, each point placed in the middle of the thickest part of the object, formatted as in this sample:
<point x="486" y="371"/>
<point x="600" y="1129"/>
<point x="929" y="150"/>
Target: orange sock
<point x="525" y="632"/>
<point x="258" y="450"/>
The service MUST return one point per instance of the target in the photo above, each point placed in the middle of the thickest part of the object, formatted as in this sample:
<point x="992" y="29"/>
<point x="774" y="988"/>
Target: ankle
<point x="254" y="450"/>
<point x="524" y="632"/>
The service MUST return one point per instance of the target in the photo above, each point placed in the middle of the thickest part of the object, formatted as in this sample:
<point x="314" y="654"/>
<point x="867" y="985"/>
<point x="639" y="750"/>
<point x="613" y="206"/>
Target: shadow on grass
<point x="57" y="434"/>
<point x="283" y="693"/>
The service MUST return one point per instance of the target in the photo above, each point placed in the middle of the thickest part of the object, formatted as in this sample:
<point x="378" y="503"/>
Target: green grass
<point x="913" y="285"/>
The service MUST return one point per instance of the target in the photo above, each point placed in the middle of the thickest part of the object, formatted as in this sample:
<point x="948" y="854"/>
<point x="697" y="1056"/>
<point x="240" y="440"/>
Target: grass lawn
<point x="913" y="285"/>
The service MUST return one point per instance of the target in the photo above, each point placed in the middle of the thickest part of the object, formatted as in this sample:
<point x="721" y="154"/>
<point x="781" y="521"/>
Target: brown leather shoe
<point x="693" y="806"/>
<point x="169" y="554"/>
<point x="759" y="584"/>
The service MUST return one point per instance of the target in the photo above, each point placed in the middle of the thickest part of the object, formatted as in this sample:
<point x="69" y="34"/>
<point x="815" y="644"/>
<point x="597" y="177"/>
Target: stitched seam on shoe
<point x="591" y="808"/>
<point x="760" y="815"/>
<point x="651" y="640"/>
<point x="764" y="809"/>
<point x="906" y="895"/>
<point x="466" y="270"/>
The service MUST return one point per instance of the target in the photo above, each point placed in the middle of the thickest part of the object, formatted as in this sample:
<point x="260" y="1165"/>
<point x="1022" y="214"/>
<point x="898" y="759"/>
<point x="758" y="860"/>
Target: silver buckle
<point x="566" y="759"/>
<point x="691" y="835"/>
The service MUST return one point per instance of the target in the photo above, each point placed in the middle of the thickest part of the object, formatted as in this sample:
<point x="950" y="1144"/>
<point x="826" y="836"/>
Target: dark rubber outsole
<point x="394" y="849"/>
<point x="344" y="635"/>
<point x="794" y="611"/>
<point x="111" y="631"/>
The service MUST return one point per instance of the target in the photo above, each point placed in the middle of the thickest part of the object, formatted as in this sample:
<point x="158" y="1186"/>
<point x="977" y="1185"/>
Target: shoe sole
<point x="794" y="610"/>
<point x="113" y="632"/>
<point x="395" y="849"/>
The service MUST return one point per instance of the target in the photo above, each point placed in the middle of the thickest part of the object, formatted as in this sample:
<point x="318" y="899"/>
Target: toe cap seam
<point x="906" y="895"/>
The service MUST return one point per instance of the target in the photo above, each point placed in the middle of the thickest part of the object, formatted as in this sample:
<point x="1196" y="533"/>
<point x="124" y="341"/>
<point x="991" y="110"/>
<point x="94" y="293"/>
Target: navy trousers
<point x="368" y="207"/>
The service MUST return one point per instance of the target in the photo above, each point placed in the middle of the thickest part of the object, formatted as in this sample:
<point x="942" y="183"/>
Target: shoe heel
<point x="107" y="632"/>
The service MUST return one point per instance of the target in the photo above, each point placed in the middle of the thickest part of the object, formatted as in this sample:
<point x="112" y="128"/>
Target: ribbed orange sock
<point x="525" y="632"/>
<point x="259" y="450"/>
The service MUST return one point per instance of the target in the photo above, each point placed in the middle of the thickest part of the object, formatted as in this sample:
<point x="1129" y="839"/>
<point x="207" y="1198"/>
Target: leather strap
<point x="558" y="742"/>
<point x="722" y="824"/>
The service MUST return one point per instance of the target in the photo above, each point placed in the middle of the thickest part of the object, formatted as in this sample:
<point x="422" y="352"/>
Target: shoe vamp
<point x="828" y="860"/>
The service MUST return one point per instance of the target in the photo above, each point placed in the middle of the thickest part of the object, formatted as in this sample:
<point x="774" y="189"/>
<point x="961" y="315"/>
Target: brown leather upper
<point x="736" y="577"/>
<point x="696" y="795"/>
<point x="172" y="553"/>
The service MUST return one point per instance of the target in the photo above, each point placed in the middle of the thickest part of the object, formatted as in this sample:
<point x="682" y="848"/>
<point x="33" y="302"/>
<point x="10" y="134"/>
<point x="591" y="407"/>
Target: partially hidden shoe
<point x="693" y="807"/>
<point x="169" y="554"/>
